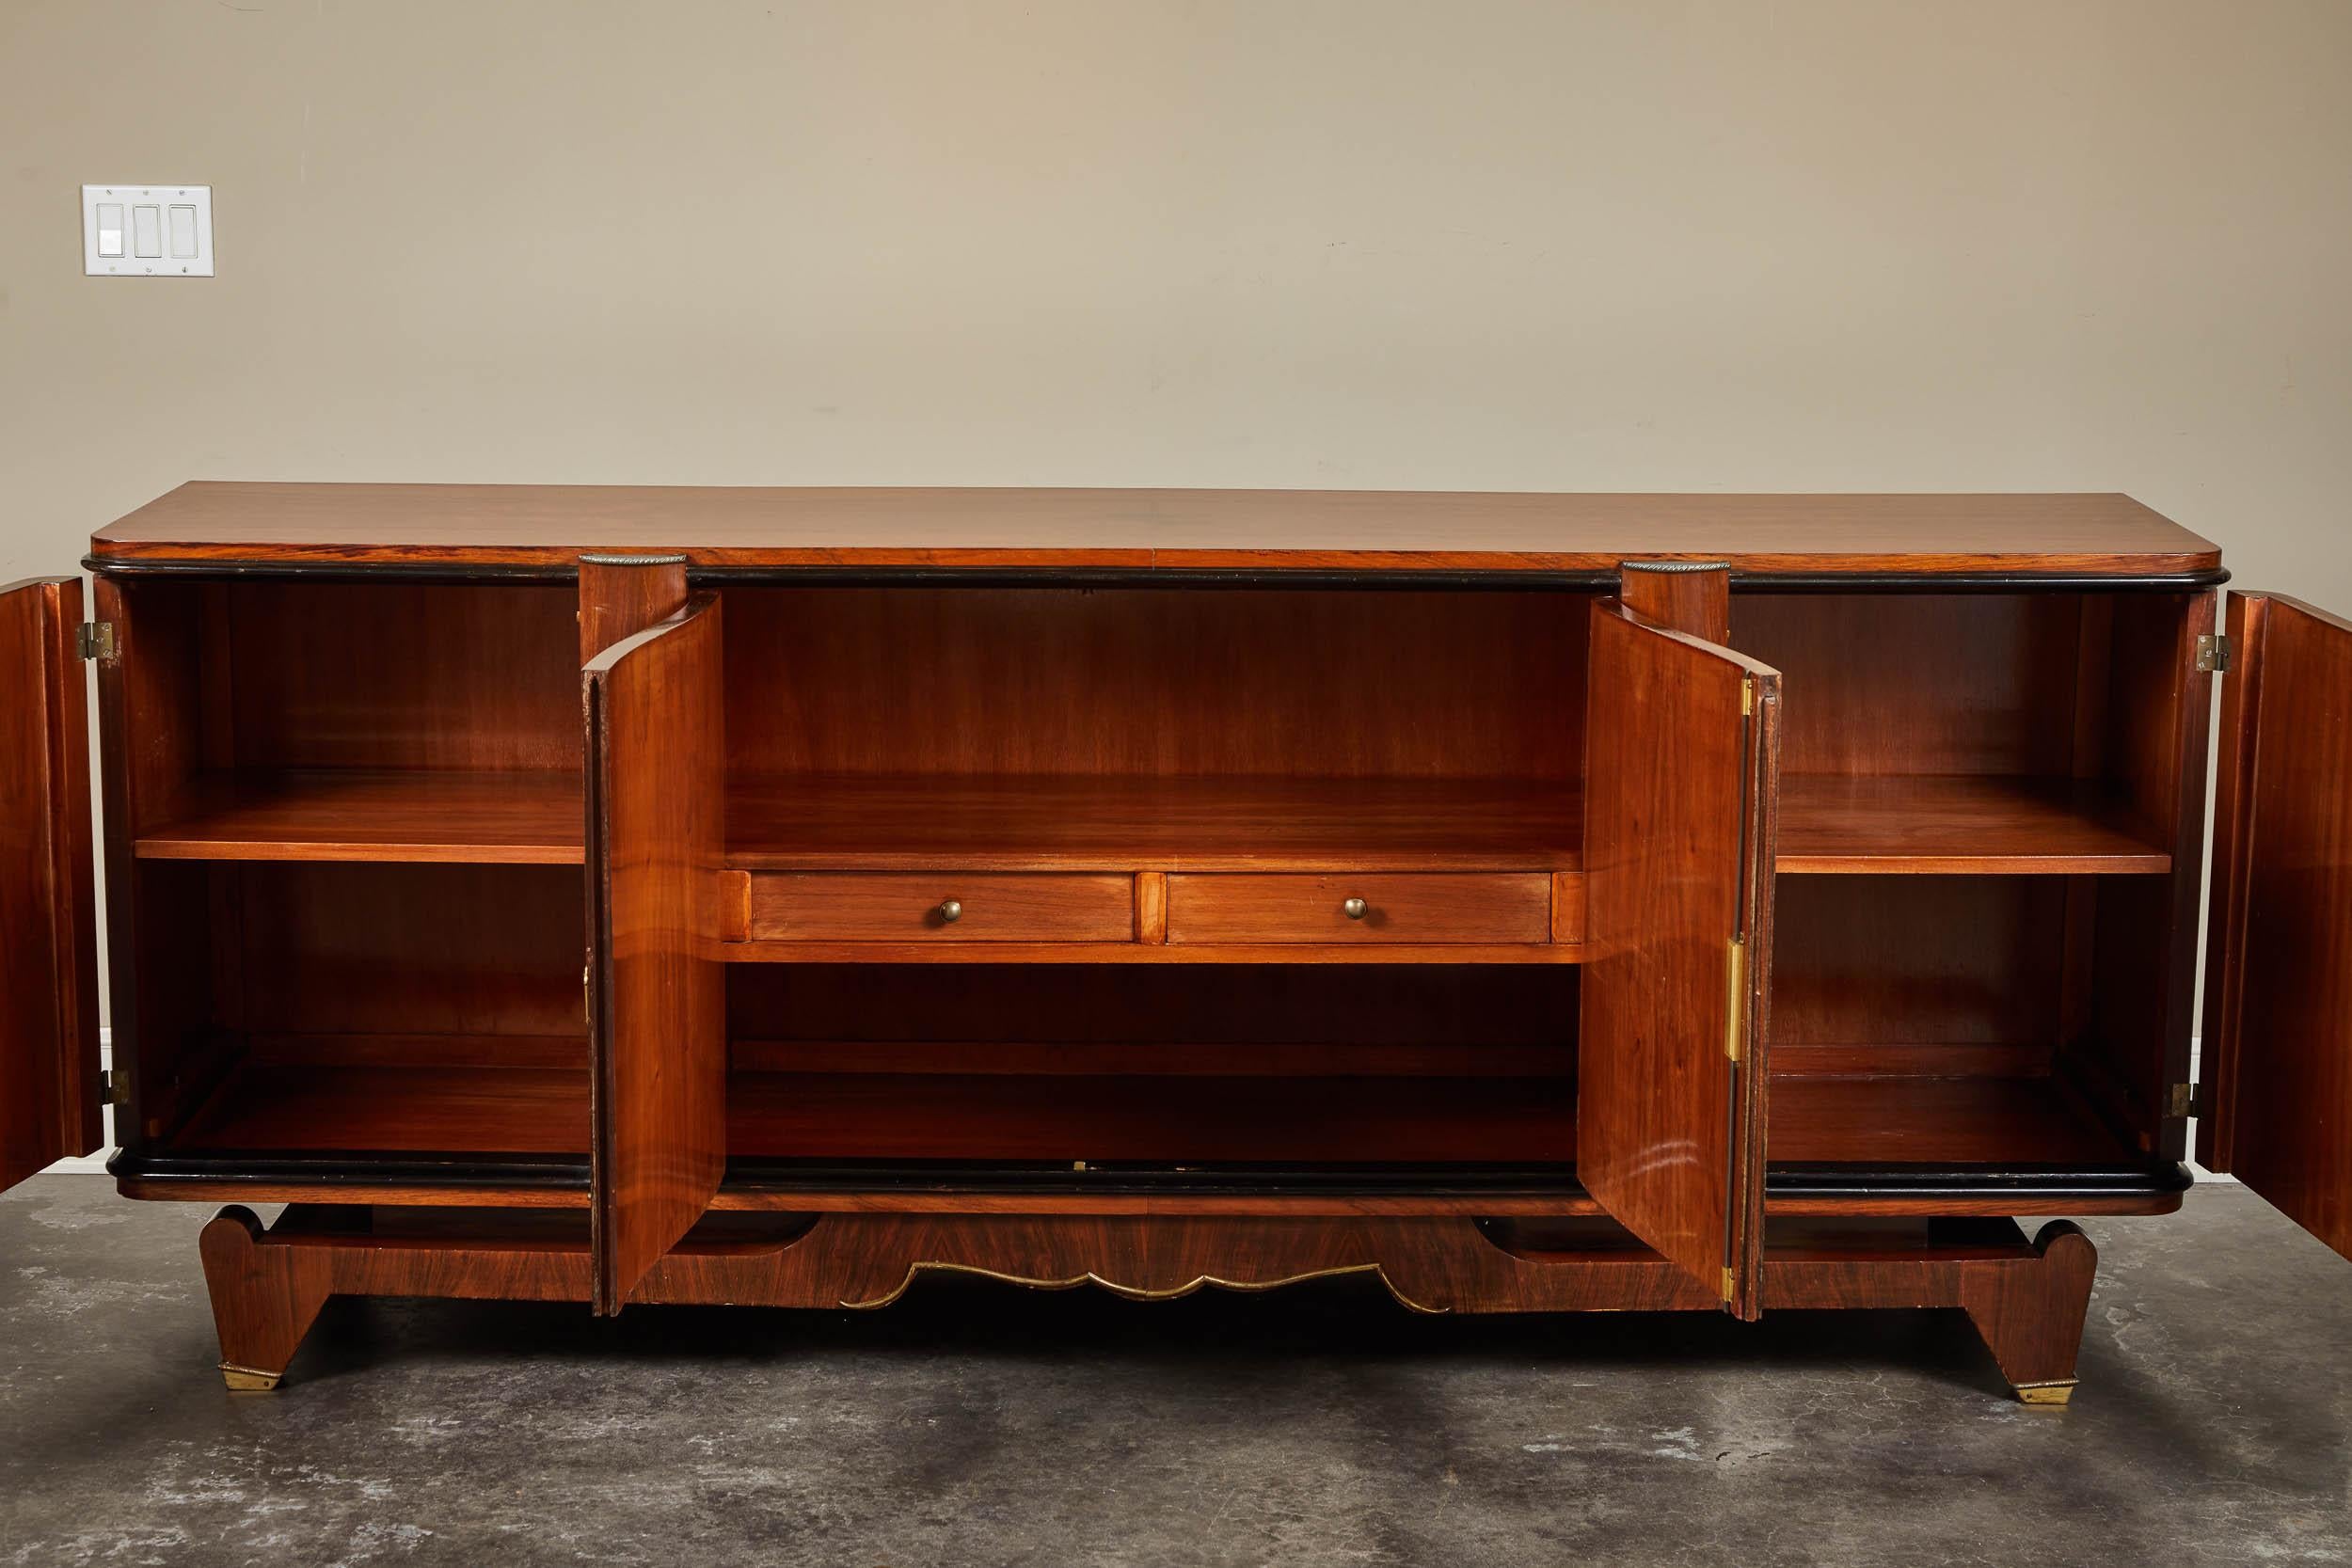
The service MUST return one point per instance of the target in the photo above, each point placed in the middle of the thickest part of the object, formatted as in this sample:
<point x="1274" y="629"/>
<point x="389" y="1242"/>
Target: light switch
<point x="147" y="231"/>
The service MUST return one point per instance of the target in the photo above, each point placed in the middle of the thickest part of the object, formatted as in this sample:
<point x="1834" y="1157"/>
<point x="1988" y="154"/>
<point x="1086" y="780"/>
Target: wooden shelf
<point x="517" y="818"/>
<point x="885" y="822"/>
<point x="1058" y="1119"/>
<point x="1957" y="825"/>
<point x="1934" y="1121"/>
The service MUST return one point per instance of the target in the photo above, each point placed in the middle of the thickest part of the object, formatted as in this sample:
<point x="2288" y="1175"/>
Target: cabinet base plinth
<point x="2027" y="1299"/>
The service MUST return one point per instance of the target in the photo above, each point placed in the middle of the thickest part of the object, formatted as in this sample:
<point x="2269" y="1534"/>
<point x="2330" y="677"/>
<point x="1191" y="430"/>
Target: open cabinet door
<point x="2278" y="1032"/>
<point x="1681" y="747"/>
<point x="657" y="1001"/>
<point x="49" y="1102"/>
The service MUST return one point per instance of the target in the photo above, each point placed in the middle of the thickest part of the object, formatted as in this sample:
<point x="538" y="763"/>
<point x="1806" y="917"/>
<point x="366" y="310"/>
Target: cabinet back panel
<point x="1920" y="682"/>
<point x="403" y="949"/>
<point x="1155" y="682"/>
<point x="398" y="675"/>
<point x="1437" y="1006"/>
<point x="1896" y="963"/>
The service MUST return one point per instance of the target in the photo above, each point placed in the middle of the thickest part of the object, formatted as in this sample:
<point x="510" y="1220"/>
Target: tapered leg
<point x="265" y="1298"/>
<point x="2031" y="1317"/>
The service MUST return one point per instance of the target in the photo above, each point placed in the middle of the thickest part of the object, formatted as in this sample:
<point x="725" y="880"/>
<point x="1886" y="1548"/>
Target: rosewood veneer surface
<point x="553" y="525"/>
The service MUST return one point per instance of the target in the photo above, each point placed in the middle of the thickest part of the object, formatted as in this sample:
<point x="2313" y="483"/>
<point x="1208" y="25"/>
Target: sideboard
<point x="1540" y="903"/>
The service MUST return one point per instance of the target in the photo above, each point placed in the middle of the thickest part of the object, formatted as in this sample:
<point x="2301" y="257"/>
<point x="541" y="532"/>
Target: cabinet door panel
<point x="657" y="1001"/>
<point x="1681" y="776"/>
<point x="48" y="933"/>
<point x="2278" y="963"/>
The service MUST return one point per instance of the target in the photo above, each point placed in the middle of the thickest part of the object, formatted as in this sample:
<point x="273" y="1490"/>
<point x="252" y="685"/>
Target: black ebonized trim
<point x="472" y="1172"/>
<point x="330" y="571"/>
<point x="328" y="1170"/>
<point x="1975" y="1182"/>
<point x="1976" y="583"/>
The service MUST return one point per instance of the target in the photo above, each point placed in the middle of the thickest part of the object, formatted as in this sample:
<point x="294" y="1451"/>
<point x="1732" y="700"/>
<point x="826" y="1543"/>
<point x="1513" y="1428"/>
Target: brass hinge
<point x="588" y="993"/>
<point x="1729" y="1282"/>
<point x="1736" y="1000"/>
<point x="95" y="639"/>
<point x="2182" y="1100"/>
<point x="1747" y="696"/>
<point x="114" y="1087"/>
<point x="2213" y="652"/>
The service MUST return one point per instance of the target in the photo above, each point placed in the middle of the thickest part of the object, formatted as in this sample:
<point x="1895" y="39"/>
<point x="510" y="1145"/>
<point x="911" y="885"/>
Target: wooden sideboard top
<point x="550" y="525"/>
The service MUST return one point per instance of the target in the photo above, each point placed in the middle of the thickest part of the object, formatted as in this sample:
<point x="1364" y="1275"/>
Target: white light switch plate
<point x="147" y="231"/>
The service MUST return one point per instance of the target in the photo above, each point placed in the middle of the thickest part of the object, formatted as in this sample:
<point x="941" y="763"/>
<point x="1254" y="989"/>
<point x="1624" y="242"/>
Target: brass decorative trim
<point x="1674" y="566"/>
<point x="1136" y="1292"/>
<point x="249" y="1380"/>
<point x="2057" y="1392"/>
<point x="1736" y="1000"/>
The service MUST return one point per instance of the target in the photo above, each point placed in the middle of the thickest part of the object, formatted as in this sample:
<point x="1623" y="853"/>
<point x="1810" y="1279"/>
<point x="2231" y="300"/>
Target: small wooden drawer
<point x="1402" y="907"/>
<point x="922" y="906"/>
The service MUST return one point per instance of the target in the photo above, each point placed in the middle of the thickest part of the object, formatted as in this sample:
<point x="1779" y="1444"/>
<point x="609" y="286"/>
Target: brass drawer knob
<point x="1355" y="908"/>
<point x="951" y="911"/>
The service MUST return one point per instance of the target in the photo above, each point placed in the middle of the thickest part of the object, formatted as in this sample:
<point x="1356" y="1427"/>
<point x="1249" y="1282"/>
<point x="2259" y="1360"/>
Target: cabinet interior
<point x="1981" y="815"/>
<point x="354" y="827"/>
<point x="367" y="799"/>
<point x="1166" y="1069"/>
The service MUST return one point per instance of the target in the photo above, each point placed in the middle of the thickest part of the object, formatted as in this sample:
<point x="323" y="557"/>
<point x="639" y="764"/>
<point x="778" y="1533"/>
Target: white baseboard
<point x="94" y="1164"/>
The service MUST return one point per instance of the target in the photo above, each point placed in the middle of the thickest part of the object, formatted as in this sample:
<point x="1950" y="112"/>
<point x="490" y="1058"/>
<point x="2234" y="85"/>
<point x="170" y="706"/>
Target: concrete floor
<point x="980" y="1424"/>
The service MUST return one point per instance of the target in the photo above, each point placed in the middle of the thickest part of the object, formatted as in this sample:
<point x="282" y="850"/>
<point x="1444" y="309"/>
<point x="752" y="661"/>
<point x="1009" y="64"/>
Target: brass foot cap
<point x="249" y="1380"/>
<point x="2047" y="1393"/>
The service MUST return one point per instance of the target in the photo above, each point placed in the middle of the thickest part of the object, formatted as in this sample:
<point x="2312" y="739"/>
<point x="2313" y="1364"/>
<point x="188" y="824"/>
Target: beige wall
<point x="1797" y="246"/>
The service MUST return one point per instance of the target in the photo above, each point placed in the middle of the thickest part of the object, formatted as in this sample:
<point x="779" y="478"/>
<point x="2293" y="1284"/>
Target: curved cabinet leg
<point x="2032" y="1316"/>
<point x="265" y="1298"/>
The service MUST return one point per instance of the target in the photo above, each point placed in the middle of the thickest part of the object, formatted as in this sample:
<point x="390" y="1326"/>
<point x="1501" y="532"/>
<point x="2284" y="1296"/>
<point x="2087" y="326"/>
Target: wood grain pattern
<point x="1398" y="908"/>
<point x="1151" y="907"/>
<point x="1911" y="967"/>
<point x="991" y="907"/>
<point x="657" y="750"/>
<point x="1662" y="1110"/>
<point x="550" y="525"/>
<point x="1174" y="1120"/>
<point x="49" y="1102"/>
<point x="344" y="1107"/>
<point x="323" y="948"/>
<point x="402" y="675"/>
<point x="1273" y="683"/>
<point x="2159" y="735"/>
<point x="509" y="818"/>
<point x="267" y="1287"/>
<point x="621" y="595"/>
<point x="1908" y="684"/>
<point x="1112" y="822"/>
<point x="1903" y="1120"/>
<point x="2028" y="1300"/>
<point x="2029" y="1303"/>
<point x="1678" y="597"/>
<point x="1958" y="825"/>
<point x="2278" y="981"/>
<point x="154" y="732"/>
